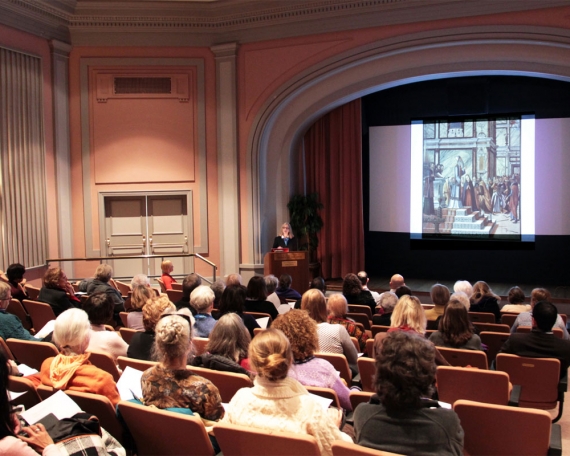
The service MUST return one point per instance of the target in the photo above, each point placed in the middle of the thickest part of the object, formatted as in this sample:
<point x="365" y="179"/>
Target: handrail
<point x="130" y="257"/>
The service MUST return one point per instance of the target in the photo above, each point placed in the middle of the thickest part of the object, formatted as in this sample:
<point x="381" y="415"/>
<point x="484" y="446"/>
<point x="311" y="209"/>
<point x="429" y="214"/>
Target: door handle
<point x="150" y="240"/>
<point x="144" y="241"/>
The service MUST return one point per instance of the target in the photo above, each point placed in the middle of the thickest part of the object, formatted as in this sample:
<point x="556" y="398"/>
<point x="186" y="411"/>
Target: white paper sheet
<point x="262" y="322"/>
<point x="60" y="404"/>
<point x="129" y="385"/>
<point x="26" y="370"/>
<point x="325" y="403"/>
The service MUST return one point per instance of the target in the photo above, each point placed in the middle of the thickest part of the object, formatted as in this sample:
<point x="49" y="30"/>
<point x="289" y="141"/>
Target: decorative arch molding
<point x="277" y="132"/>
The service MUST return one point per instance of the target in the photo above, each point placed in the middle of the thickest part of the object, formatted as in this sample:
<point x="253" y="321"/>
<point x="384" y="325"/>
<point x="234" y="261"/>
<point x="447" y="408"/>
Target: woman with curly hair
<point x="301" y="330"/>
<point x="355" y="294"/>
<point x="484" y="300"/>
<point x="399" y="418"/>
<point x="455" y="329"/>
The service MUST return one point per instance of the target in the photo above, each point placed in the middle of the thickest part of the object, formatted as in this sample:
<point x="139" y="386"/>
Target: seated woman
<point x="202" y="299"/>
<point x="338" y="308"/>
<point x="516" y="303"/>
<point x="277" y="401"/>
<point x="99" y="308"/>
<point x="256" y="297"/>
<point x="139" y="297"/>
<point x="233" y="301"/>
<point x="387" y="302"/>
<point x="355" y="294"/>
<point x="71" y="369"/>
<point x="484" y="300"/>
<point x="455" y="329"/>
<point x="440" y="297"/>
<point x="332" y="338"/>
<point x="58" y="292"/>
<point x="142" y="342"/>
<point x="170" y="383"/>
<point x="167" y="267"/>
<point x="399" y="418"/>
<point x="15" y="276"/>
<point x="10" y="325"/>
<point x="301" y="330"/>
<point x="227" y="346"/>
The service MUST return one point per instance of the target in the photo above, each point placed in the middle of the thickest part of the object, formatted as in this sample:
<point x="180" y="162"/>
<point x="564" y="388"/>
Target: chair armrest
<point x="515" y="396"/>
<point x="555" y="447"/>
<point x="563" y="384"/>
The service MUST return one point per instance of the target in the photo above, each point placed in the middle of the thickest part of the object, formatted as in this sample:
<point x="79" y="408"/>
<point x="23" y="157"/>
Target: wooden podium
<point x="296" y="264"/>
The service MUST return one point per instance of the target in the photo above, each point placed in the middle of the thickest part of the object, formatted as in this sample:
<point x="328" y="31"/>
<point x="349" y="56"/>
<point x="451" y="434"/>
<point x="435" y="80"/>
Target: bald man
<point x="396" y="282"/>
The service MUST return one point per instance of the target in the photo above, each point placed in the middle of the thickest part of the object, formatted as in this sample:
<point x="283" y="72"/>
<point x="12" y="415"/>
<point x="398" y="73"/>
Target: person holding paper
<point x="10" y="325"/>
<point x="277" y="401"/>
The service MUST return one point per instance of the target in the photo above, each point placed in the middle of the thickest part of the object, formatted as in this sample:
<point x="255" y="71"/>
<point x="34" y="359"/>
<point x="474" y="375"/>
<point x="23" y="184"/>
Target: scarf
<point x="63" y="368"/>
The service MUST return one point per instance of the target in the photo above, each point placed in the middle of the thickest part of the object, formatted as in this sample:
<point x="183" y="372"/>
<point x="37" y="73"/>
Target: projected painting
<point x="471" y="179"/>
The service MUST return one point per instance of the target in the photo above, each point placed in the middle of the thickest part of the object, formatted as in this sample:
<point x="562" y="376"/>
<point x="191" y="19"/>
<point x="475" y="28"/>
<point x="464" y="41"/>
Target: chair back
<point x="359" y="397"/>
<point x="257" y="331"/>
<point x="357" y="308"/>
<point x="338" y="360"/>
<point x="45" y="391"/>
<point x="463" y="358"/>
<point x="40" y="313"/>
<point x="378" y="329"/>
<point x="228" y="383"/>
<point x="495" y="327"/>
<point x="30" y="352"/>
<point x="162" y="285"/>
<point x="361" y="318"/>
<point x="494" y="341"/>
<point x="481" y="317"/>
<point x="327" y="393"/>
<point x="123" y="287"/>
<point x="33" y="292"/>
<point x="498" y="429"/>
<point x="179" y="433"/>
<point x="370" y="347"/>
<point x="24" y="385"/>
<point x="257" y="315"/>
<point x="127" y="334"/>
<point x="199" y="344"/>
<point x="174" y="295"/>
<point x="138" y="364"/>
<point x="526" y="329"/>
<point x="6" y="350"/>
<point x="16" y="308"/>
<point x="354" y="341"/>
<point x="124" y="318"/>
<point x="237" y="440"/>
<point x="486" y="386"/>
<point x="105" y="362"/>
<point x="508" y="319"/>
<point x="177" y="286"/>
<point x="367" y="370"/>
<point x="342" y="448"/>
<point x="102" y="408"/>
<point x="538" y="377"/>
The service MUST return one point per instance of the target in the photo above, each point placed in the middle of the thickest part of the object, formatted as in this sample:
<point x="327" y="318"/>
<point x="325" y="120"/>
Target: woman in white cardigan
<point x="278" y="402"/>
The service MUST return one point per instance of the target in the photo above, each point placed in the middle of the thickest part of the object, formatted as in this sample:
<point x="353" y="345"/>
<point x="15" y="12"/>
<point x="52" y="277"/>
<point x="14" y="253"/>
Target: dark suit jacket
<point x="279" y="242"/>
<point x="364" y="298"/>
<point x="538" y="344"/>
<point x="57" y="299"/>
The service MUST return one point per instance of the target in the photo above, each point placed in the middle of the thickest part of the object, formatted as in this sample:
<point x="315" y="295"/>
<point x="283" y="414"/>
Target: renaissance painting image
<point x="471" y="178"/>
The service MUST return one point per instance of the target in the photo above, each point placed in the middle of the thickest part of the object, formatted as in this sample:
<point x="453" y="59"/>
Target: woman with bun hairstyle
<point x="279" y="402"/>
<point x="169" y="383"/>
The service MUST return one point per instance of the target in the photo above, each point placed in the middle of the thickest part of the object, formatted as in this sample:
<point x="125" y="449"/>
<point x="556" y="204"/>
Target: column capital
<point x="225" y="50"/>
<point x="60" y="48"/>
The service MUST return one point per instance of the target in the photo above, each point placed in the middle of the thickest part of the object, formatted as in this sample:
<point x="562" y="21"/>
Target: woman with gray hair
<point x="387" y="302"/>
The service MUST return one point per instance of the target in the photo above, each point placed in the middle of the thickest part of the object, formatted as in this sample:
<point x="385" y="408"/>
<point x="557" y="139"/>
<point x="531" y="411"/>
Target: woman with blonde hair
<point x="285" y="239"/>
<point x="139" y="297"/>
<point x="170" y="383"/>
<point x="278" y="401"/>
<point x="484" y="300"/>
<point x="167" y="267"/>
<point x="409" y="315"/>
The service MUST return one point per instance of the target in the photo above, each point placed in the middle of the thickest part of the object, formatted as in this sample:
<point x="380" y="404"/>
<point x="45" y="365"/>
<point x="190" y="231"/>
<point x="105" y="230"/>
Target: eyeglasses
<point x="186" y="317"/>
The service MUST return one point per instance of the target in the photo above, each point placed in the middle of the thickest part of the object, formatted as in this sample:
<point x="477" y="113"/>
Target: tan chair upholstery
<point x="127" y="334"/>
<point x="199" y="344"/>
<point x="327" y="393"/>
<point x="161" y="284"/>
<point x="123" y="288"/>
<point x="378" y="329"/>
<point x="159" y="432"/>
<point x="105" y="362"/>
<point x="177" y="286"/>
<point x="367" y="370"/>
<point x="370" y="347"/>
<point x="257" y="315"/>
<point x="494" y="327"/>
<point x="6" y="350"/>
<point x="256" y="331"/>
<point x="526" y="329"/>
<point x="138" y="364"/>
<point x="228" y="383"/>
<point x="33" y="292"/>
<point x="45" y="391"/>
<point x="16" y="308"/>
<point x="355" y="343"/>
<point x="31" y="353"/>
<point x="237" y="440"/>
<point x="40" y="313"/>
<point x="341" y="448"/>
<point x="361" y="318"/>
<point x="494" y="341"/>
<point x="357" y="308"/>
<point x="124" y="316"/>
<point x="481" y="317"/>
<point x="461" y="358"/>
<point x="508" y="319"/>
<point x="21" y="385"/>
<point x="174" y="295"/>
<point x="340" y="363"/>
<point x="359" y="397"/>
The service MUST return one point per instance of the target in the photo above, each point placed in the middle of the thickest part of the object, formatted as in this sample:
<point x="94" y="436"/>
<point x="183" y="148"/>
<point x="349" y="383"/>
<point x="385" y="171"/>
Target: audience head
<point x="388" y="301"/>
<point x="439" y="295"/>
<point x="318" y="283"/>
<point x="71" y="332"/>
<point x="516" y="295"/>
<point x="285" y="281"/>
<point x="55" y="278"/>
<point x="405" y="371"/>
<point x="539" y="294"/>
<point x="314" y="302"/>
<point x="153" y="309"/>
<point x="190" y="282"/>
<point x="301" y="330"/>
<point x="363" y="277"/>
<point x="233" y="279"/>
<point x="409" y="312"/>
<point x="462" y="298"/>
<point x="403" y="291"/>
<point x="99" y="308"/>
<point x="270" y="355"/>
<point x="256" y="289"/>
<point x="481" y="289"/>
<point x="271" y="283"/>
<point x="464" y="286"/>
<point x="351" y="285"/>
<point x="544" y="314"/>
<point x="166" y="267"/>
<point x="286" y="230"/>
<point x="172" y="338"/>
<point x="140" y="295"/>
<point x="396" y="281"/>
<point x="233" y="299"/>
<point x="140" y="280"/>
<point x="218" y="288"/>
<point x="229" y="338"/>
<point x="15" y="272"/>
<point x="455" y="326"/>
<point x="202" y="299"/>
<point x="104" y="272"/>
<point x="337" y="305"/>
<point x="5" y="295"/>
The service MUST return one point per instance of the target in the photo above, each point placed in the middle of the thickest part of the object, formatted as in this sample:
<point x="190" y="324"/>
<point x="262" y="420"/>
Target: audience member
<point x="227" y="346"/>
<point x="271" y="283"/>
<point x="484" y="300"/>
<point x="100" y="284"/>
<point x="318" y="283"/>
<point x="301" y="330"/>
<point x="277" y="401"/>
<point x="525" y="318"/>
<point x="355" y="294"/>
<point x="141" y="280"/>
<point x="233" y="279"/>
<point x="202" y="299"/>
<point x="233" y="301"/>
<point x="190" y="282"/>
<point x="403" y="291"/>
<point x="142" y="342"/>
<point x="256" y="298"/>
<point x="284" y="290"/>
<point x="167" y="267"/>
<point x="540" y="342"/>
<point x="71" y="369"/>
<point x="99" y="308"/>
<point x="462" y="298"/>
<point x="455" y="329"/>
<point x="170" y="383"/>
<point x="10" y="325"/>
<point x="140" y="295"/>
<point x="387" y="302"/>
<point x="58" y="292"/>
<point x="337" y="310"/>
<point x="440" y="297"/>
<point x="400" y="418"/>
<point x="465" y="287"/>
<point x="15" y="276"/>
<point x="516" y="304"/>
<point x="396" y="281"/>
<point x="332" y="338"/>
<point x="364" y="279"/>
<point x="218" y="288"/>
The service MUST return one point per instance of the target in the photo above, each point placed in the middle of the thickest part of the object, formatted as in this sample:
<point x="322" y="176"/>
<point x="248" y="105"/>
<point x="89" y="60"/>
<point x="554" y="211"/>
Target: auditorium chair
<point x="15" y="308"/>
<point x="123" y="288"/>
<point x="40" y="313"/>
<point x="177" y="286"/>
<point x="199" y="344"/>
<point x="124" y="316"/>
<point x="161" y="284"/>
<point x="138" y="364"/>
<point x="481" y="317"/>
<point x="526" y="329"/>
<point x="462" y="358"/>
<point x="33" y="292"/>
<point x="494" y="327"/>
<point x="339" y="362"/>
<point x="494" y="342"/>
<point x="23" y="385"/>
<point x="508" y="319"/>
<point x="367" y="370"/>
<point x="378" y="329"/>
<point x="31" y="353"/>
<point x="228" y="383"/>
<point x="327" y="393"/>
<point x="342" y="448"/>
<point x="127" y="334"/>
<point x="174" y="295"/>
<point x="359" y="397"/>
<point x="370" y="347"/>
<point x="105" y="362"/>
<point x="6" y="350"/>
<point x="357" y="308"/>
<point x="361" y="318"/>
<point x="354" y="341"/>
